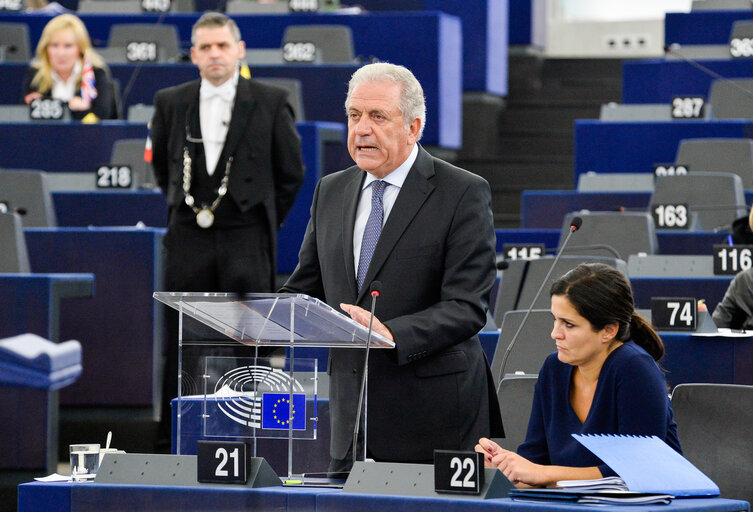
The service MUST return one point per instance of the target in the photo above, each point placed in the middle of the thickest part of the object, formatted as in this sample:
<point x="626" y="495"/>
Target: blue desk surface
<point x="68" y="497"/>
<point x="713" y="359"/>
<point x="32" y="302"/>
<point x="701" y="27"/>
<point x="76" y="147"/>
<point x="67" y="147"/>
<point x="428" y="43"/>
<point x="657" y="81"/>
<point x="603" y="146"/>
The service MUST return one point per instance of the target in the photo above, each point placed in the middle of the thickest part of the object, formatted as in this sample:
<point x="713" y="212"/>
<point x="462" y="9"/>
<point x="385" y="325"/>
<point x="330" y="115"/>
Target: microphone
<point x="5" y="208"/>
<point x="574" y="226"/>
<point x="673" y="50"/>
<point x="374" y="291"/>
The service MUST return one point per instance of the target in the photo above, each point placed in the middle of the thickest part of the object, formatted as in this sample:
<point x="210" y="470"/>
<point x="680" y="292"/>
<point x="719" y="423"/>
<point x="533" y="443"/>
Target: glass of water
<point x="84" y="461"/>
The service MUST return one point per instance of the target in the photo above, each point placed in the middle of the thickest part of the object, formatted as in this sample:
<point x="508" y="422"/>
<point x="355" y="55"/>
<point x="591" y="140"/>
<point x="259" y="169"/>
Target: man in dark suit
<point x="424" y="229"/>
<point x="227" y="156"/>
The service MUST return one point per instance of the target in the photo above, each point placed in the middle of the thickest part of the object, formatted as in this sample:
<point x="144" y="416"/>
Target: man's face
<point x="379" y="139"/>
<point x="216" y="53"/>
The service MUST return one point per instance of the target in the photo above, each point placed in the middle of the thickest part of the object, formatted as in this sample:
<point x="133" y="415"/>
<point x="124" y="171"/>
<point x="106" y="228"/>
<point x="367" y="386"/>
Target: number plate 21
<point x="221" y="462"/>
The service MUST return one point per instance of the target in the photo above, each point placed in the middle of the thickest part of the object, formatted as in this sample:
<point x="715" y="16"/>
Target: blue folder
<point x="647" y="464"/>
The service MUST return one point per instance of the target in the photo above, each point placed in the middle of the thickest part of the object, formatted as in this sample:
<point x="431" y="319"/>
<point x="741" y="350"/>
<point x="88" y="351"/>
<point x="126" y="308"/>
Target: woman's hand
<point x="31" y="97"/>
<point x="520" y="470"/>
<point x="78" y="104"/>
<point x="489" y="448"/>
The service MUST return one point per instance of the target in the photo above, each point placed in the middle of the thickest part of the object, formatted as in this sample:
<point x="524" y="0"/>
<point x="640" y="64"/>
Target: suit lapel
<point x="244" y="104"/>
<point x="350" y="202"/>
<point x="414" y="192"/>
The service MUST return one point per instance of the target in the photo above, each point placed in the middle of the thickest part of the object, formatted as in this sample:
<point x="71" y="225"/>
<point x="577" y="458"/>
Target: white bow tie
<point x="225" y="91"/>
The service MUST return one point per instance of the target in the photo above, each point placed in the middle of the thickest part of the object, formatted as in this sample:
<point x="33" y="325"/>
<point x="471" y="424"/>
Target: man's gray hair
<point x="215" y="20"/>
<point x="412" y="104"/>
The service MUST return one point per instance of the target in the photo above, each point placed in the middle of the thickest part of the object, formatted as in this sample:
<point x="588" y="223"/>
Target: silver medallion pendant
<point x="205" y="218"/>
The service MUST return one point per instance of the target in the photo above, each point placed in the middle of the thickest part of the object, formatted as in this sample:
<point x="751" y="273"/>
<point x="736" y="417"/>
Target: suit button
<point x="355" y="371"/>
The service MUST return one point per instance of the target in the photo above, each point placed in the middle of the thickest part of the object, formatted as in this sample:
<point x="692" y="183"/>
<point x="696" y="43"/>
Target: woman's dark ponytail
<point x="645" y="336"/>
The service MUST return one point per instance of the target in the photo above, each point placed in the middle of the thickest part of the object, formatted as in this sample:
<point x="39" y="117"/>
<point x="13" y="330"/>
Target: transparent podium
<point x="235" y="382"/>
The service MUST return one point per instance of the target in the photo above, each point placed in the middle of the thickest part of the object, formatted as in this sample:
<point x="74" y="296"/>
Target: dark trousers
<point x="236" y="260"/>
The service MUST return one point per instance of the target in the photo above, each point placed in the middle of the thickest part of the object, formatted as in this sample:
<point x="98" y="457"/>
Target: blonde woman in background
<point x="67" y="68"/>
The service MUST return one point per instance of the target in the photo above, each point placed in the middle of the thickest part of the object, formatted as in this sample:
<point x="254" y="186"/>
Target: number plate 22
<point x="458" y="472"/>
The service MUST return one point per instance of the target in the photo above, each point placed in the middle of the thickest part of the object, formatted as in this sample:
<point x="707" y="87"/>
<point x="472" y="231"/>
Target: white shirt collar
<point x="65" y="89"/>
<point x="226" y="90"/>
<point x="396" y="177"/>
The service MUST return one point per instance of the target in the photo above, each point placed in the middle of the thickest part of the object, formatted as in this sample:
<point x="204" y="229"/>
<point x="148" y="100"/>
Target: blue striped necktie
<point x="372" y="231"/>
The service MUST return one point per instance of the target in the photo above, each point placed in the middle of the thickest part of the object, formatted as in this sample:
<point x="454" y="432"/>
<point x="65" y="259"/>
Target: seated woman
<point x="67" y="68"/>
<point x="603" y="379"/>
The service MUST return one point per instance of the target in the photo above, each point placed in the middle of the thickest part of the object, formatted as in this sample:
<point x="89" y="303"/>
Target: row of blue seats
<point x="394" y="36"/>
<point x="83" y="148"/>
<point x="435" y="57"/>
<point x="656" y="81"/>
<point x="121" y="326"/>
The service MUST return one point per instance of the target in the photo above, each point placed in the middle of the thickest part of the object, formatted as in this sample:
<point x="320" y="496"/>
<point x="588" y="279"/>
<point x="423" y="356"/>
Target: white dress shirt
<point x="64" y="90"/>
<point x="394" y="182"/>
<point x="215" y="110"/>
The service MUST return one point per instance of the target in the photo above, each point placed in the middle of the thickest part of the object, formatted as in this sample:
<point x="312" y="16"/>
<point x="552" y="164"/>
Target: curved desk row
<point x="657" y="81"/>
<point x="547" y="208"/>
<point x="428" y="43"/>
<point x="67" y="497"/>
<point x="88" y="146"/>
<point x="607" y="146"/>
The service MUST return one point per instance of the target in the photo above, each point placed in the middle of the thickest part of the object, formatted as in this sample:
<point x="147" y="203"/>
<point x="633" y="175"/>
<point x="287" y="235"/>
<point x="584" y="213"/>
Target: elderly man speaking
<point x="424" y="229"/>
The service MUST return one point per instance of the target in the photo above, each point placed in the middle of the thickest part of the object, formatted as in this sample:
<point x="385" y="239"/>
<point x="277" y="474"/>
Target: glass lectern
<point x="233" y="383"/>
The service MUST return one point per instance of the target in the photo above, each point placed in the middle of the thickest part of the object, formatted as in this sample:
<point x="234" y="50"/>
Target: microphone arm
<point x="574" y="226"/>
<point x="672" y="49"/>
<point x="375" y="286"/>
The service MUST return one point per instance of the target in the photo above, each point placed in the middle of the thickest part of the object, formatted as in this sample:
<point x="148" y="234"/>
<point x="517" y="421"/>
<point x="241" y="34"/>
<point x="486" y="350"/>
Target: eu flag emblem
<point x="275" y="407"/>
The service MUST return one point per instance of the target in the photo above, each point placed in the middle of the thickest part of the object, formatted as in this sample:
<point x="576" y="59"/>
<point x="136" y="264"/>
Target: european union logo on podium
<point x="275" y="411"/>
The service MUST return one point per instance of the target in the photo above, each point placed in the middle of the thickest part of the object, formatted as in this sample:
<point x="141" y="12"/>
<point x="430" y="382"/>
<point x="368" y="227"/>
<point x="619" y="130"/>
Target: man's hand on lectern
<point x="362" y="316"/>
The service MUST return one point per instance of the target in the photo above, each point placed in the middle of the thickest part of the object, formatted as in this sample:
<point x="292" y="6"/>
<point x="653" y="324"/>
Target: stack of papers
<point x="627" y="498"/>
<point x="591" y="497"/>
<point x="610" y="483"/>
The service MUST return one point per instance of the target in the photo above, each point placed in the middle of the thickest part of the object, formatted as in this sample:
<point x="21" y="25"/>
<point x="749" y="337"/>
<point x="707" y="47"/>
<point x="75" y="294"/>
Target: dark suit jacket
<point x="435" y="260"/>
<point x="103" y="105"/>
<point x="267" y="165"/>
